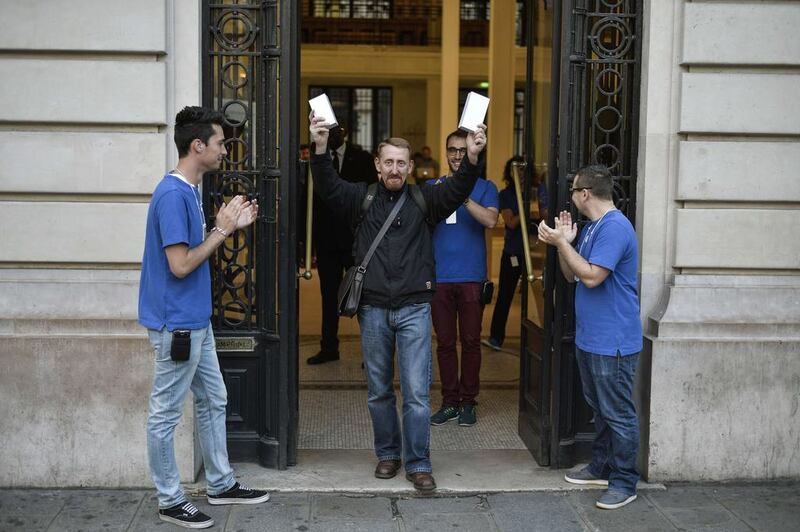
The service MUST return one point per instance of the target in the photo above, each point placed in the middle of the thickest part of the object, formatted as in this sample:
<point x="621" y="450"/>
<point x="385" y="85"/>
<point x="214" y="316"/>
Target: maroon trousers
<point x="457" y="311"/>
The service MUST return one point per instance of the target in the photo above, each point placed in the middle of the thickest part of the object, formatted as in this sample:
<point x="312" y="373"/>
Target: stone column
<point x="501" y="86"/>
<point x="448" y="108"/>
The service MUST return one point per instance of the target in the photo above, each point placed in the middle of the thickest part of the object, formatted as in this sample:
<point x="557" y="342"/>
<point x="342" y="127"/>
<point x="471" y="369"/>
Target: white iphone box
<point x="321" y="106"/>
<point x="474" y="112"/>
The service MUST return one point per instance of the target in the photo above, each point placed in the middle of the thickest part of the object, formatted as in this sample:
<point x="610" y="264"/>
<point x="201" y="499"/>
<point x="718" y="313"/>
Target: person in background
<point x="333" y="240"/>
<point x="459" y="245"/>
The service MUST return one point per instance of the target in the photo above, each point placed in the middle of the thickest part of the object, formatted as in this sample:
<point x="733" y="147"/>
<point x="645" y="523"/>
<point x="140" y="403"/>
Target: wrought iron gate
<point x="251" y="75"/>
<point x="594" y="119"/>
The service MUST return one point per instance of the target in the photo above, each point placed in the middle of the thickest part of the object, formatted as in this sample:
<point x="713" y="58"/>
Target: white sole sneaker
<point x="606" y="506"/>
<point x="238" y="500"/>
<point x="584" y="482"/>
<point x="186" y="524"/>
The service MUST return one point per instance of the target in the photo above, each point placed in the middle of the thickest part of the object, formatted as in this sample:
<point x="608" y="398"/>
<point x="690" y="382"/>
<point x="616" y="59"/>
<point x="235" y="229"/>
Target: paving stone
<point x="29" y="509"/>
<point x="147" y="520"/>
<point x="692" y="509"/>
<point x="467" y="522"/>
<point x="639" y="516"/>
<point x="534" y="512"/>
<point x="773" y="508"/>
<point x="411" y="506"/>
<point x="86" y="510"/>
<point x="283" y="512"/>
<point x="327" y="524"/>
<point x="344" y="507"/>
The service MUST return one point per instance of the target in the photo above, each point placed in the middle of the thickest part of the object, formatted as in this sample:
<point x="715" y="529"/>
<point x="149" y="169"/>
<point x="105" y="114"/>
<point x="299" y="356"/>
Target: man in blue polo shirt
<point x="608" y="331"/>
<point x="459" y="246"/>
<point x="175" y="306"/>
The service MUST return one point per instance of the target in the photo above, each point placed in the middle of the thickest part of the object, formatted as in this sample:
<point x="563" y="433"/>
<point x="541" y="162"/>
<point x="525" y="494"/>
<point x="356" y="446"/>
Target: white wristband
<point x="220" y="231"/>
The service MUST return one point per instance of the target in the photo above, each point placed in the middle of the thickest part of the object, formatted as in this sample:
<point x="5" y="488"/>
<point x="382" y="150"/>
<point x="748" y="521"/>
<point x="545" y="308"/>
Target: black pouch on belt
<point x="181" y="345"/>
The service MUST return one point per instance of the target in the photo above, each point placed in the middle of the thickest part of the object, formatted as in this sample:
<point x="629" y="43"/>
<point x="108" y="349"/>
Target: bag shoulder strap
<point x="372" y="190"/>
<point x="419" y="199"/>
<point x="400" y="201"/>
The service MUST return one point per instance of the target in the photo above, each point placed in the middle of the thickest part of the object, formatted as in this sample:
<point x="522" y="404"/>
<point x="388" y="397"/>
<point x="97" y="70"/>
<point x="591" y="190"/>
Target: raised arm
<point x="444" y="199"/>
<point x="339" y="195"/>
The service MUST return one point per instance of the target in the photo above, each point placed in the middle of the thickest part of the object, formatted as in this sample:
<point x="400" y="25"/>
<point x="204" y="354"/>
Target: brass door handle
<point x="515" y="168"/>
<point x="307" y="275"/>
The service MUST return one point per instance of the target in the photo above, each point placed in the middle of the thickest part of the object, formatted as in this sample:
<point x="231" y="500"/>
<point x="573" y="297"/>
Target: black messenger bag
<point x="349" y="294"/>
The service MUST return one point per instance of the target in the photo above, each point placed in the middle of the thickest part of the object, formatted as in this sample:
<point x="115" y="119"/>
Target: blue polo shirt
<point x="460" y="248"/>
<point x="512" y="244"/>
<point x="174" y="217"/>
<point x="607" y="316"/>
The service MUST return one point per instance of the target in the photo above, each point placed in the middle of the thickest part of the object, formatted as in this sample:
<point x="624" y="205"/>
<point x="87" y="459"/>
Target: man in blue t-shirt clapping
<point x="175" y="307"/>
<point x="608" y="330"/>
<point x="459" y="246"/>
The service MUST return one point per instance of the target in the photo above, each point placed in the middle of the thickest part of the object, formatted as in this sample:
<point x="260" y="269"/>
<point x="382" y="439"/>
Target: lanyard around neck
<point x="196" y="194"/>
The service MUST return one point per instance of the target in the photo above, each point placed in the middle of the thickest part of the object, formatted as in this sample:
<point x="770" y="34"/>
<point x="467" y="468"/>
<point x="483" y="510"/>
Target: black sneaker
<point x="445" y="414"/>
<point x="239" y="494"/>
<point x="467" y="417"/>
<point x="186" y="515"/>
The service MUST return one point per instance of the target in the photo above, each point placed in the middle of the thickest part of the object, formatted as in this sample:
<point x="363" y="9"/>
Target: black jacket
<point x="330" y="233"/>
<point x="402" y="270"/>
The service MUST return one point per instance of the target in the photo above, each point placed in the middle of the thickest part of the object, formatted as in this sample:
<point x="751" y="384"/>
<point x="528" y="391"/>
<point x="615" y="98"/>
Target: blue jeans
<point x="171" y="383"/>
<point x="608" y="387"/>
<point x="410" y="328"/>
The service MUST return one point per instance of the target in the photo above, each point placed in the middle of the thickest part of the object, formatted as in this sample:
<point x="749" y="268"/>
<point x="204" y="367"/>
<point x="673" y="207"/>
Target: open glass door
<point x="251" y="74"/>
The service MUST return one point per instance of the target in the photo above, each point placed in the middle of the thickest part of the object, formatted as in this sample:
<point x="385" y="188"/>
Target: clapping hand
<point x="564" y="229"/>
<point x="236" y="214"/>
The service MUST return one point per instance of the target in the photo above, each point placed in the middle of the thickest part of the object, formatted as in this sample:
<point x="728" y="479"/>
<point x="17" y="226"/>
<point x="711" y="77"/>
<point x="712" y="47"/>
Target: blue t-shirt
<point x="607" y="316"/>
<point x="513" y="237"/>
<point x="174" y="217"/>
<point x="460" y="248"/>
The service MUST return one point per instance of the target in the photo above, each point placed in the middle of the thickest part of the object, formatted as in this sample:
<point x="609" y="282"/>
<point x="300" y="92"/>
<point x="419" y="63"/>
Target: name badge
<point x="514" y="261"/>
<point x="451" y="219"/>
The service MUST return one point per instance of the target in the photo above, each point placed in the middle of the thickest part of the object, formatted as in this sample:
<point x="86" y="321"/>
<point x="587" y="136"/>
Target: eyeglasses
<point x="452" y="151"/>
<point x="578" y="189"/>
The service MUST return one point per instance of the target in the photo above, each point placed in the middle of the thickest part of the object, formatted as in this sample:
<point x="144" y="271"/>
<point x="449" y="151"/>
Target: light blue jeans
<point x="171" y="383"/>
<point x="410" y="328"/>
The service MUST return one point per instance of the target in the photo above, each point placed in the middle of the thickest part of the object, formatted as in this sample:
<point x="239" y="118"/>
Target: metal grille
<point x="604" y="57"/>
<point x="239" y="69"/>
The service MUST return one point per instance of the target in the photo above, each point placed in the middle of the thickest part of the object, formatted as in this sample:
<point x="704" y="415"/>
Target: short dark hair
<point x="507" y="169"/>
<point x="460" y="133"/>
<point x="397" y="142"/>
<point x="598" y="178"/>
<point x="195" y="123"/>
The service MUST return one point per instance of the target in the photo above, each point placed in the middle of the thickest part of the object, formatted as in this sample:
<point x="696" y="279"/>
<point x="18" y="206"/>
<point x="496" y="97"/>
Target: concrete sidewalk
<point x="765" y="507"/>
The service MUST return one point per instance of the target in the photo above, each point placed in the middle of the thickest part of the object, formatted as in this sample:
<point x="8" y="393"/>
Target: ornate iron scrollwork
<point x="606" y="85"/>
<point x="237" y="84"/>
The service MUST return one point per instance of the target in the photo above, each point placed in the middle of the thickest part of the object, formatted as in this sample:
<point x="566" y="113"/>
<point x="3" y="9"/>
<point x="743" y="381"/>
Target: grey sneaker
<point x="467" y="416"/>
<point x="584" y="477"/>
<point x="445" y="414"/>
<point x="492" y="343"/>
<point x="612" y="499"/>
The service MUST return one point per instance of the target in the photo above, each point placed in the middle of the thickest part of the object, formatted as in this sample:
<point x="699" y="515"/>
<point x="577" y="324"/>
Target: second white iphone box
<point x="474" y="112"/>
<point x="321" y="106"/>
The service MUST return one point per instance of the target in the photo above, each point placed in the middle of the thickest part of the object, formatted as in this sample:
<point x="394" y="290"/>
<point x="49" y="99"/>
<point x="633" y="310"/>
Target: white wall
<point x="718" y="210"/>
<point x="86" y="103"/>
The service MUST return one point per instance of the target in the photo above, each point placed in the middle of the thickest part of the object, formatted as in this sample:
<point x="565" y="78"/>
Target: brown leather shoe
<point x="387" y="468"/>
<point x="423" y="481"/>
